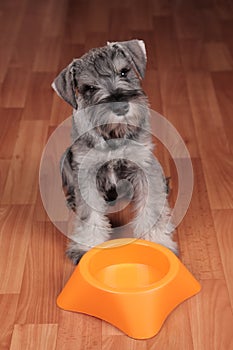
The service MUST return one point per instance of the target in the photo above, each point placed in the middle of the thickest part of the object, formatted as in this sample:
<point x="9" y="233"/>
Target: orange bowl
<point x="133" y="284"/>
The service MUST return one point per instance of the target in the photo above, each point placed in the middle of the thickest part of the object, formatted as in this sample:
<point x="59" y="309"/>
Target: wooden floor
<point x="189" y="80"/>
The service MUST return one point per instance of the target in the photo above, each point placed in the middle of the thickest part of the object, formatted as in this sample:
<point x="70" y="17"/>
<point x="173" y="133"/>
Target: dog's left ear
<point x="135" y="50"/>
<point x="65" y="83"/>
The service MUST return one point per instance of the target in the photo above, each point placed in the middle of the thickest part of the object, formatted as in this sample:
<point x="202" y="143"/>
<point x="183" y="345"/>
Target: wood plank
<point x="218" y="56"/>
<point x="223" y="221"/>
<point x="75" y="30"/>
<point x="122" y="342"/>
<point x="176" y="106"/>
<point x="34" y="336"/>
<point x="9" y="27"/>
<point x="8" y="305"/>
<point x="166" y="43"/>
<point x="4" y="62"/>
<point x="95" y="40"/>
<point x="42" y="279"/>
<point x="185" y="6"/>
<point x="161" y="8"/>
<point x="77" y="332"/>
<point x="40" y="213"/>
<point x="21" y="57"/>
<point x="14" y="239"/>
<point x="15" y="87"/>
<point x="51" y="28"/>
<point x="39" y="97"/>
<point x="4" y="169"/>
<point x="69" y="52"/>
<point x="211" y="317"/>
<point x="211" y="25"/>
<point x="48" y="55"/>
<point x="192" y="54"/>
<point x="22" y="180"/>
<point x="213" y="146"/>
<point x="139" y="15"/>
<point x="226" y="29"/>
<point x="28" y="35"/>
<point x="224" y="9"/>
<point x="109" y="330"/>
<point x="199" y="249"/>
<point x="97" y="16"/>
<point x="189" y="24"/>
<point x="114" y="27"/>
<point x="170" y="336"/>
<point x="10" y="122"/>
<point x="61" y="110"/>
<point x="223" y="82"/>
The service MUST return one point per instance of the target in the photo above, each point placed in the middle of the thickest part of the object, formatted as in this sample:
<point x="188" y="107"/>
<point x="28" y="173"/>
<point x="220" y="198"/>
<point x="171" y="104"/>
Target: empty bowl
<point x="132" y="284"/>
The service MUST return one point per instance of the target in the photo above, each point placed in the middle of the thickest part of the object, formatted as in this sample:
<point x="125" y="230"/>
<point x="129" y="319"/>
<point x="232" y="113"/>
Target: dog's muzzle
<point x="119" y="108"/>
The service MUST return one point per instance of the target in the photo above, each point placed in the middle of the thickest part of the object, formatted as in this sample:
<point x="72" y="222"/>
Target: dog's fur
<point x="111" y="145"/>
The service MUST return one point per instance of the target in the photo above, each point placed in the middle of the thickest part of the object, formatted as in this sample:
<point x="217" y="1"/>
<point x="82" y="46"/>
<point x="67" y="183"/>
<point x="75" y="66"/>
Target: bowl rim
<point x="88" y="276"/>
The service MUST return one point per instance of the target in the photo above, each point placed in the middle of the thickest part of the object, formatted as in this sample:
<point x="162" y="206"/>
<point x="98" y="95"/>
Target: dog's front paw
<point x="173" y="246"/>
<point x="175" y="249"/>
<point x="75" y="255"/>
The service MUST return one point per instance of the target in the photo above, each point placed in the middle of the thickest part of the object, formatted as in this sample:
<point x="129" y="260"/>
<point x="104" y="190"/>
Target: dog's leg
<point x="68" y="179"/>
<point x="88" y="232"/>
<point x="153" y="213"/>
<point x="91" y="226"/>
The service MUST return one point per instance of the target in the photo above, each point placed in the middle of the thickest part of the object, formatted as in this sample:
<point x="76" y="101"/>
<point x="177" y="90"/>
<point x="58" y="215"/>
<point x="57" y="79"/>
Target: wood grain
<point x="215" y="150"/>
<point x="38" y="104"/>
<point x="223" y="221"/>
<point x="8" y="305"/>
<point x="47" y="56"/>
<point x="15" y="233"/>
<point x="28" y="337"/>
<point x="166" y="43"/>
<point x="222" y="82"/>
<point x="15" y="87"/>
<point x="210" y="312"/>
<point x="10" y="118"/>
<point x="47" y="247"/>
<point x="171" y="335"/>
<point x="218" y="57"/>
<point x="197" y="238"/>
<point x="189" y="79"/>
<point x="22" y="180"/>
<point x="77" y="332"/>
<point x="176" y="107"/>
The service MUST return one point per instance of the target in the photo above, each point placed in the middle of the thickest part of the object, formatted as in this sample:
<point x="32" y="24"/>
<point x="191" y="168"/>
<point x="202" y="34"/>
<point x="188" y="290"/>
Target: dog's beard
<point x="109" y="125"/>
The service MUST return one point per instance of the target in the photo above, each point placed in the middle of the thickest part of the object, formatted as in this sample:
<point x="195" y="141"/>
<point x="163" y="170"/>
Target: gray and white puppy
<point x="111" y="147"/>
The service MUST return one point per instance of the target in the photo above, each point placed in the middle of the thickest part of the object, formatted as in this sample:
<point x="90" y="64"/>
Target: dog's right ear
<point x="136" y="52"/>
<point x="65" y="84"/>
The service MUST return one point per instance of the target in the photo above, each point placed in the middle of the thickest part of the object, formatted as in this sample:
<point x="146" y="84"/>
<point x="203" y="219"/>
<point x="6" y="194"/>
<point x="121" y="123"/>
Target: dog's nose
<point x="120" y="108"/>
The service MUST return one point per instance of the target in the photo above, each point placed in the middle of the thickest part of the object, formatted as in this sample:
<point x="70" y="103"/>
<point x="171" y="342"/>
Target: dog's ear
<point x="135" y="50"/>
<point x="65" y="83"/>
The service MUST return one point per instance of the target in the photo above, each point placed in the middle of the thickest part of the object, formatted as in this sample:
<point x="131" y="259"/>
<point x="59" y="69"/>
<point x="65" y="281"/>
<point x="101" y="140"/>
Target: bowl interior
<point x="129" y="267"/>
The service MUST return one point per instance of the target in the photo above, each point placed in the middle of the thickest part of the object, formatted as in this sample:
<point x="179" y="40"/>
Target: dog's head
<point x="107" y="78"/>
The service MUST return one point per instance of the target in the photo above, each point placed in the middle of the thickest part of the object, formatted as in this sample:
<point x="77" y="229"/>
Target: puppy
<point x="111" y="151"/>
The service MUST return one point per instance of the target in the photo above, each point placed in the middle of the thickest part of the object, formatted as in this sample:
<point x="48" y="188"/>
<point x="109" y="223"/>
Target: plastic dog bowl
<point x="132" y="284"/>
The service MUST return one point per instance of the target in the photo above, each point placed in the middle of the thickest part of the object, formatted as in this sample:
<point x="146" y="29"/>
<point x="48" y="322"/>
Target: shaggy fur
<point x="111" y="146"/>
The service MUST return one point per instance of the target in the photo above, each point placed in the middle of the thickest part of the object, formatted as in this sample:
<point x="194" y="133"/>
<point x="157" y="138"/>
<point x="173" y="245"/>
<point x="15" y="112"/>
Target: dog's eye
<point x="124" y="72"/>
<point x="89" y="88"/>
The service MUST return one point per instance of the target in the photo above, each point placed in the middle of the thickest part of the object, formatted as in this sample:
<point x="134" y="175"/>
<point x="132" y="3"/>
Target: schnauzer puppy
<point x="112" y="147"/>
